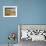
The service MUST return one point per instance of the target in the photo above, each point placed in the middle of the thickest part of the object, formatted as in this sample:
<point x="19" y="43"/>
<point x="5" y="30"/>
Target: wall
<point x="29" y="12"/>
<point x="7" y="25"/>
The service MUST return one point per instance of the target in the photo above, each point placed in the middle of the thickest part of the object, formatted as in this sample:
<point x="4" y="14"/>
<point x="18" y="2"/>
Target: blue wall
<point x="29" y="12"/>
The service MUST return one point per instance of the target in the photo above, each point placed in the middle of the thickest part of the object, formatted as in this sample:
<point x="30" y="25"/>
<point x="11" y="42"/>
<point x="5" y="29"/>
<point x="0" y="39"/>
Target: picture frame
<point x="39" y="28"/>
<point x="9" y="11"/>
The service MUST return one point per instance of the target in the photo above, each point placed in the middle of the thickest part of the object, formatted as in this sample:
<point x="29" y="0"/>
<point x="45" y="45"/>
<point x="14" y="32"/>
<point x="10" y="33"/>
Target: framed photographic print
<point x="33" y="32"/>
<point x="9" y="11"/>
